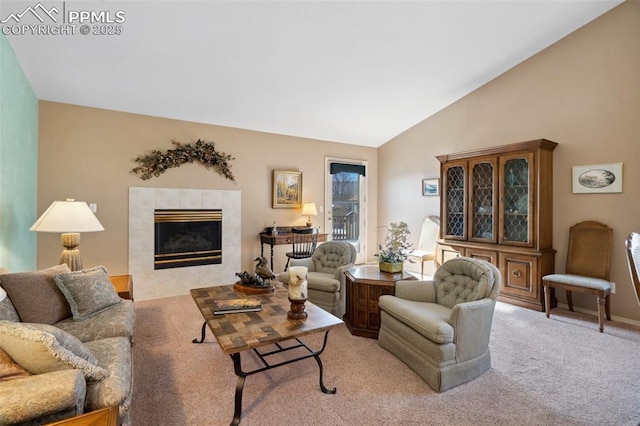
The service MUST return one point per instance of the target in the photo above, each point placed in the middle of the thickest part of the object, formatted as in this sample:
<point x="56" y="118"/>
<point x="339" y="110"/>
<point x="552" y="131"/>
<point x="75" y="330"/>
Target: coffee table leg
<point x="202" y="334"/>
<point x="237" y="367"/>
<point x="316" y="355"/>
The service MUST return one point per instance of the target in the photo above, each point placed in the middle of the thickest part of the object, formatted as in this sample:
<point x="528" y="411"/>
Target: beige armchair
<point x="325" y="279"/>
<point x="441" y="328"/>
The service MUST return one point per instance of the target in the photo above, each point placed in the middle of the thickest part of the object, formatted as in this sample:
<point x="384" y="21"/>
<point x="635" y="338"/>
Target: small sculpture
<point x="250" y="279"/>
<point x="263" y="270"/>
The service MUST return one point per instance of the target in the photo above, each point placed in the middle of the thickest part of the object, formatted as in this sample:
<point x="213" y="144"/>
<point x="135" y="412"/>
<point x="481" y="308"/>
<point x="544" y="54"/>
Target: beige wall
<point x="87" y="154"/>
<point x="584" y="93"/>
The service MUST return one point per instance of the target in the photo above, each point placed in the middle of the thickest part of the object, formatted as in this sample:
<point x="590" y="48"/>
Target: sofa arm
<point x="472" y="322"/>
<point x="42" y="396"/>
<point x="418" y="291"/>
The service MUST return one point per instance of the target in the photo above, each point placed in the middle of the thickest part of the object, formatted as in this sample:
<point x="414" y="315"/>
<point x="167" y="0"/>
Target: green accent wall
<point x="18" y="163"/>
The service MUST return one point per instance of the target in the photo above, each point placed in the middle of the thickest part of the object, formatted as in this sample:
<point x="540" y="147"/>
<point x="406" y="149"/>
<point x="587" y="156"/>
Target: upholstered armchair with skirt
<point x="325" y="278"/>
<point x="441" y="328"/>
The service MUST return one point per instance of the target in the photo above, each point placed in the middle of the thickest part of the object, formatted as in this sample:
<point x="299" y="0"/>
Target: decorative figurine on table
<point x="257" y="283"/>
<point x="250" y="279"/>
<point x="263" y="270"/>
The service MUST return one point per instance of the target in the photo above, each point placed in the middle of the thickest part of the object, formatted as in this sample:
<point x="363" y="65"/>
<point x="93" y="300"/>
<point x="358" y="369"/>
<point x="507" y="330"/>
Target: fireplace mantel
<point x="151" y="283"/>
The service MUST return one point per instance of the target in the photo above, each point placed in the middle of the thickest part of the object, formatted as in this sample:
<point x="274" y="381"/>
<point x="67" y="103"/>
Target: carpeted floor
<point x="558" y="371"/>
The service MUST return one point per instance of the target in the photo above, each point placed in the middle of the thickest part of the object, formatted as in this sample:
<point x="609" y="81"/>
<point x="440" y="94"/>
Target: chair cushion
<point x="429" y="319"/>
<point x="579" y="281"/>
<point x="421" y="254"/>
<point x="35" y="295"/>
<point x="88" y="291"/>
<point x="462" y="280"/>
<point x="323" y="282"/>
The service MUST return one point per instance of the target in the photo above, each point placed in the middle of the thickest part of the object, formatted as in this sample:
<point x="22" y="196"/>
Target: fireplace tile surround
<point x="153" y="284"/>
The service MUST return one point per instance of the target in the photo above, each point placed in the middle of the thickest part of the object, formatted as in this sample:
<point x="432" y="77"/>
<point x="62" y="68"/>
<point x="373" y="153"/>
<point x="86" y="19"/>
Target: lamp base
<point x="297" y="311"/>
<point x="71" y="254"/>
<point x="309" y="223"/>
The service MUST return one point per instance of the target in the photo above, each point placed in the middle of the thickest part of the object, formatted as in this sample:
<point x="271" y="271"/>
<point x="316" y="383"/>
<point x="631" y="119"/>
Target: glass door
<point x="483" y="211"/>
<point x="345" y="195"/>
<point x="516" y="176"/>
<point x="454" y="189"/>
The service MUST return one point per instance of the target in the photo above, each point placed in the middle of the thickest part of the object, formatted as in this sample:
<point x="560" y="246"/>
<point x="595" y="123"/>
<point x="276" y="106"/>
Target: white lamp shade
<point x="309" y="209"/>
<point x="67" y="216"/>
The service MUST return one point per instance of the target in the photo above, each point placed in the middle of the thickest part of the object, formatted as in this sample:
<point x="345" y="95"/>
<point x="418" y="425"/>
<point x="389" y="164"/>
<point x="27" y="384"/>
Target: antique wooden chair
<point x="427" y="244"/>
<point x="633" y="259"/>
<point x="587" y="269"/>
<point x="304" y="242"/>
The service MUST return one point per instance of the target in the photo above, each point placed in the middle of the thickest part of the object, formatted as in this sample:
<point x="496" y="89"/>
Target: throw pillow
<point x="35" y="295"/>
<point x="9" y="369"/>
<point x="42" y="348"/>
<point x="88" y="291"/>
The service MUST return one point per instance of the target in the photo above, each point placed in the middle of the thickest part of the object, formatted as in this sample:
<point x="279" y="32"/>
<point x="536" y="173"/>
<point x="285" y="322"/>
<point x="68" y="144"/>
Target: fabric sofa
<point x="65" y="345"/>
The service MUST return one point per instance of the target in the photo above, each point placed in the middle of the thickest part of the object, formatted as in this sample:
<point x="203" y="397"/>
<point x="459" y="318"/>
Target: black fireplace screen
<point x="187" y="238"/>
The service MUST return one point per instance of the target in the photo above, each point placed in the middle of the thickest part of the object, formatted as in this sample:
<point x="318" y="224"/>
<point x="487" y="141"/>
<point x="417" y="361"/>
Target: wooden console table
<point x="123" y="285"/>
<point x="365" y="285"/>
<point x="283" y="237"/>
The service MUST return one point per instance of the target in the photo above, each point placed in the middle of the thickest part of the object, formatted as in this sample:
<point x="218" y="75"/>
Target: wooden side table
<point x="123" y="285"/>
<point x="365" y="285"/>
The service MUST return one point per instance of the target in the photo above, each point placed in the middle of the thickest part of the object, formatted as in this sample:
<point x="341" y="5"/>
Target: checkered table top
<point x="241" y="331"/>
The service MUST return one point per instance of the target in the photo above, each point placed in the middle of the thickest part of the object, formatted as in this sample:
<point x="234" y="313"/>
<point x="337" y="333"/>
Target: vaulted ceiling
<point x="357" y="72"/>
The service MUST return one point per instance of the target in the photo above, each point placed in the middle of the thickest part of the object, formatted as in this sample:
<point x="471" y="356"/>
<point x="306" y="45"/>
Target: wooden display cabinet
<point x="496" y="205"/>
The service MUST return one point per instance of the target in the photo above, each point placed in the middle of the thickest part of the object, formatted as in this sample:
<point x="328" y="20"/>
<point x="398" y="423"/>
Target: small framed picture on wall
<point x="430" y="187"/>
<point x="287" y="189"/>
<point x="597" y="178"/>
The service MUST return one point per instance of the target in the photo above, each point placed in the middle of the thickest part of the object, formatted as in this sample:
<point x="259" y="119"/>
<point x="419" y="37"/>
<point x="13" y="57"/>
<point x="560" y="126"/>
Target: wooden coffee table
<point x="239" y="332"/>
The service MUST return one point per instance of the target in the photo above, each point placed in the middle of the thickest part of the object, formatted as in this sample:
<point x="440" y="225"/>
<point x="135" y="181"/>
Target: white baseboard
<point x="595" y="313"/>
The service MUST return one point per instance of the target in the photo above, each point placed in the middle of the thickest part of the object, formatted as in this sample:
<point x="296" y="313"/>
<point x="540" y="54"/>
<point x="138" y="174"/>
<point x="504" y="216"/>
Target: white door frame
<point x="362" y="254"/>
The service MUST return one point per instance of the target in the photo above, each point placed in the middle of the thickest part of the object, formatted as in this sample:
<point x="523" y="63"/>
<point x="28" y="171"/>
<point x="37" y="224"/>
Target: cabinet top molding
<point x="502" y="149"/>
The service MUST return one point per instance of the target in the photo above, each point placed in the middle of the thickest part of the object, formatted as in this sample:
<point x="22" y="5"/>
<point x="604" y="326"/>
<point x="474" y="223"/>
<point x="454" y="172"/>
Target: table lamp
<point x="309" y="209"/>
<point x="69" y="218"/>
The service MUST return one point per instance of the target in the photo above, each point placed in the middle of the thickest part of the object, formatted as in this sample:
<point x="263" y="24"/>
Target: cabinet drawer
<point x="487" y="255"/>
<point x="519" y="275"/>
<point x="446" y="252"/>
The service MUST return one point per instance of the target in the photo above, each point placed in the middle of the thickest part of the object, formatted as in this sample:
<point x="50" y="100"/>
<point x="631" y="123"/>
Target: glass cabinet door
<point x="483" y="200"/>
<point x="454" y="191"/>
<point x="517" y="182"/>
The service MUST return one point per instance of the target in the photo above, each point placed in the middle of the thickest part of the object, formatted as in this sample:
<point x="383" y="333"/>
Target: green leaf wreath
<point x="156" y="163"/>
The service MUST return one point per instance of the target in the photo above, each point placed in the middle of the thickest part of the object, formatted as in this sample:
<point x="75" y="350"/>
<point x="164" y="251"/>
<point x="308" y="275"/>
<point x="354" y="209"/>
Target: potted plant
<point x="396" y="248"/>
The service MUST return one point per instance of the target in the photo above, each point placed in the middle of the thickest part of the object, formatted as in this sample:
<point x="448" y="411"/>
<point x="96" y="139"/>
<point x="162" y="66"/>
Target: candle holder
<point x="297" y="311"/>
<point x="297" y="292"/>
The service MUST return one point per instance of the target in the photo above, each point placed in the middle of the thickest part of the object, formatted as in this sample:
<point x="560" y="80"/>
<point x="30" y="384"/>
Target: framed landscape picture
<point x="597" y="178"/>
<point x="430" y="187"/>
<point x="287" y="189"/>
